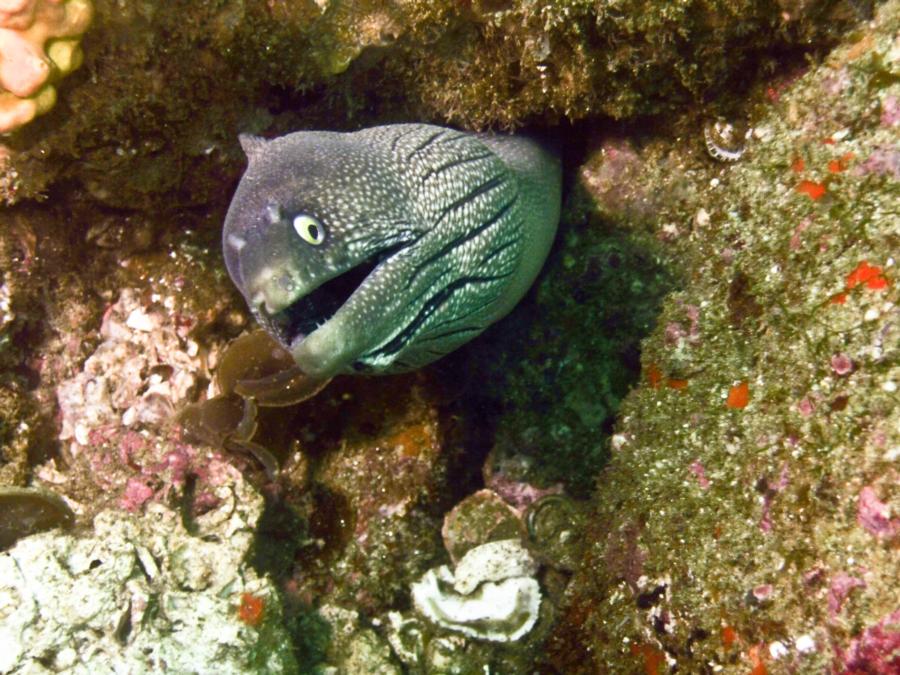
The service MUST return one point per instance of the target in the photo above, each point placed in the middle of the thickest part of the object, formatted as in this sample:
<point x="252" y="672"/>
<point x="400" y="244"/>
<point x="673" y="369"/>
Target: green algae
<point x="562" y="363"/>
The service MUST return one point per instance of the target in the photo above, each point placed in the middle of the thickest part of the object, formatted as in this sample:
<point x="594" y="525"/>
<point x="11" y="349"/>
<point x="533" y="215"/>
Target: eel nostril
<point x="286" y="283"/>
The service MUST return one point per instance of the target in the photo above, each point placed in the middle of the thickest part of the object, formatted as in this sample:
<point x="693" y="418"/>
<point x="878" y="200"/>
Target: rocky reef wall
<point x="747" y="518"/>
<point x="151" y="118"/>
<point x="678" y="452"/>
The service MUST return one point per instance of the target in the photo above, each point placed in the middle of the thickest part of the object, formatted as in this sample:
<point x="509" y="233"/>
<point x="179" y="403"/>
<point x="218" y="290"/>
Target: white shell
<point x="494" y="561"/>
<point x="501" y="612"/>
<point x="501" y="601"/>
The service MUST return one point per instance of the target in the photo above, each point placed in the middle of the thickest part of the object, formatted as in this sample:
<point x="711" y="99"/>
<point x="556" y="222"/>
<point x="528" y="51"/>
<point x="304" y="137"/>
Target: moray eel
<point x="381" y="250"/>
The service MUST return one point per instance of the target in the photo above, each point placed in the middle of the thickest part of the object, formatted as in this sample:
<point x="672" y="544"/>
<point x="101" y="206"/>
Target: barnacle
<point x="725" y="141"/>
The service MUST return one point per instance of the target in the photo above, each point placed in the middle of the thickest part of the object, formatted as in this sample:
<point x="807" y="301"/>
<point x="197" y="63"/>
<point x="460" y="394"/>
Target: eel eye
<point x="310" y="230"/>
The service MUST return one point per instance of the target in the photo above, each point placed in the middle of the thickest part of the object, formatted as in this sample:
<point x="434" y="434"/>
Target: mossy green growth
<point x="14" y="438"/>
<point x="562" y="363"/>
<point x="20" y="422"/>
<point x="747" y="518"/>
<point x="502" y="63"/>
<point x="155" y="137"/>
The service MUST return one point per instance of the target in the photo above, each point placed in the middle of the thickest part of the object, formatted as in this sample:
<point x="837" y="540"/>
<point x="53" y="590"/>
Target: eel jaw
<point x="311" y="312"/>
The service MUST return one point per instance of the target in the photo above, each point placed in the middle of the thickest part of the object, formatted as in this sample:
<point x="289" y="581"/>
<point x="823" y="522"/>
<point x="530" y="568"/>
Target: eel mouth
<point x="308" y="312"/>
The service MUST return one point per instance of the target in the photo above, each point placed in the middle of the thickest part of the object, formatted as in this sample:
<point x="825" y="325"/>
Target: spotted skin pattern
<point x="457" y="226"/>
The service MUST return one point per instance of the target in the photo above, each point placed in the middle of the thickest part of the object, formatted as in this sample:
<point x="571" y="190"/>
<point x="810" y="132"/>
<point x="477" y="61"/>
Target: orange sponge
<point x="38" y="45"/>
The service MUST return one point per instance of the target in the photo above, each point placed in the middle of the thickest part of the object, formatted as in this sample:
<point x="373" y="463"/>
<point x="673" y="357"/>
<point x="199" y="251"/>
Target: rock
<point x="141" y="591"/>
<point x="354" y="650"/>
<point x="25" y="511"/>
<point x="368" y="654"/>
<point x="479" y="518"/>
<point x="381" y="467"/>
<point x="138" y="376"/>
<point x="217" y="68"/>
<point x="746" y="519"/>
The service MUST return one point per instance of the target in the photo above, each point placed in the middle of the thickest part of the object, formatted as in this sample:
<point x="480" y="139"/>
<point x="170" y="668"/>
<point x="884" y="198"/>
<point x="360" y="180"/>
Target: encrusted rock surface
<point x="376" y="457"/>
<point x="747" y="519"/>
<point x="19" y="421"/>
<point x="153" y="346"/>
<point x="145" y="369"/>
<point x="151" y="120"/>
<point x="144" y="593"/>
<point x="750" y="508"/>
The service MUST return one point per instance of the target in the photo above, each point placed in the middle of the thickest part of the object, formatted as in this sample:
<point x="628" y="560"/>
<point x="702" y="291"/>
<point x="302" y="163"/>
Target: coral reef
<point x="120" y="361"/>
<point x="38" y="39"/>
<point x="144" y="593"/>
<point x="746" y="519"/>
